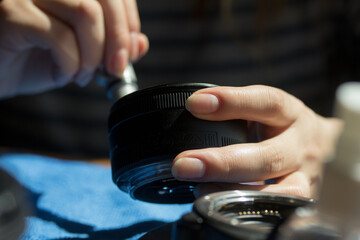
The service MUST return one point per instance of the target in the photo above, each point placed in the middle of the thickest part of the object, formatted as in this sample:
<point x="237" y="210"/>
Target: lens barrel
<point x="148" y="128"/>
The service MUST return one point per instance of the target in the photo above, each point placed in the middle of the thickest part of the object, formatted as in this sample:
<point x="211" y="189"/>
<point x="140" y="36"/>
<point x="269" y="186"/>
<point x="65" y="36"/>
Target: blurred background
<point x="305" y="47"/>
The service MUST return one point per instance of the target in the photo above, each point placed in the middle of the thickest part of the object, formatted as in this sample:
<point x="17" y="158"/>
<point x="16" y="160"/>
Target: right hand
<point x="48" y="43"/>
<point x="295" y="142"/>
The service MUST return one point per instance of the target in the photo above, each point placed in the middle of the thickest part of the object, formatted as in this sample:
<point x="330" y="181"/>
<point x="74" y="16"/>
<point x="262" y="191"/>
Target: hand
<point x="48" y="43"/>
<point x="295" y="142"/>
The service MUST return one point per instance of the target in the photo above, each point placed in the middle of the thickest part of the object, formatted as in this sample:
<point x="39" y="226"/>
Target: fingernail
<point x="134" y="55"/>
<point x="119" y="62"/>
<point x="202" y="103"/>
<point x="188" y="168"/>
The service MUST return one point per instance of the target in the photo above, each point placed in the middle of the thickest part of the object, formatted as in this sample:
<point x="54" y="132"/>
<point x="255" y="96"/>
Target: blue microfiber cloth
<point x="78" y="200"/>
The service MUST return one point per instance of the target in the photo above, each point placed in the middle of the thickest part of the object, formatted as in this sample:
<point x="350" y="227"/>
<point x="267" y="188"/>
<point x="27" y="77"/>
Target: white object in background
<point x="337" y="214"/>
<point x="340" y="194"/>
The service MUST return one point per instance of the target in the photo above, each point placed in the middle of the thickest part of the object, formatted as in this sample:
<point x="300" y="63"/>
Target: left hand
<point x="46" y="44"/>
<point x="295" y="142"/>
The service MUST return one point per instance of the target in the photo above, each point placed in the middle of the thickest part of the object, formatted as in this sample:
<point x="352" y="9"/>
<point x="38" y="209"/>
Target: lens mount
<point x="246" y="214"/>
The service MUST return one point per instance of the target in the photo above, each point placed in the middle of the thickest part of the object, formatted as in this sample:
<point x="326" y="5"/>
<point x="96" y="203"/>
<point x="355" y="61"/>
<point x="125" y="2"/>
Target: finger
<point x="240" y="162"/>
<point x="46" y="32"/>
<point x="143" y="44"/>
<point x="134" y="28"/>
<point x="86" y="18"/>
<point x="139" y="46"/>
<point x="263" y="104"/>
<point x="117" y="36"/>
<point x="132" y="13"/>
<point x="295" y="184"/>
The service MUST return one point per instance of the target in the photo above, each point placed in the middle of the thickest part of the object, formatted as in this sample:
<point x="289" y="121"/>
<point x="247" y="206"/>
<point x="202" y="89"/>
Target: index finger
<point x="244" y="162"/>
<point x="263" y="104"/>
<point x="117" y="35"/>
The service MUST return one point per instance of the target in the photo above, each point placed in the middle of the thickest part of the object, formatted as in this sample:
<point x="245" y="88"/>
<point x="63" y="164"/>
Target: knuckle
<point x="273" y="160"/>
<point x="228" y="170"/>
<point x="4" y="7"/>
<point x="121" y="36"/>
<point x="10" y="6"/>
<point x="275" y="101"/>
<point x="223" y="164"/>
<point x="65" y="38"/>
<point x="18" y="12"/>
<point x="135" y="25"/>
<point x="90" y="10"/>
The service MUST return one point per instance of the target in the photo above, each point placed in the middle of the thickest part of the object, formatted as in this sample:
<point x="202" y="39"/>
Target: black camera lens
<point x="148" y="128"/>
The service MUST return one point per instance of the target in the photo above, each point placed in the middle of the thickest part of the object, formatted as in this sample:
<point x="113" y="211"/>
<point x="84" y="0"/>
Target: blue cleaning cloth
<point x="78" y="200"/>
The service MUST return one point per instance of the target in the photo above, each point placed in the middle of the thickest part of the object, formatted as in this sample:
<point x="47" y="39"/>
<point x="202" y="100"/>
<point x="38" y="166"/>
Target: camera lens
<point x="148" y="128"/>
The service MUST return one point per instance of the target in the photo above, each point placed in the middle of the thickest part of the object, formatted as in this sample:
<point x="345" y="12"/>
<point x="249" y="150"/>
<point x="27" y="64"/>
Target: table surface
<point x="76" y="199"/>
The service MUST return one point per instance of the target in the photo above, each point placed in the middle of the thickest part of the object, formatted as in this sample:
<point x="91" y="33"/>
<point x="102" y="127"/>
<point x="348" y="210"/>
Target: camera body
<point x="233" y="215"/>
